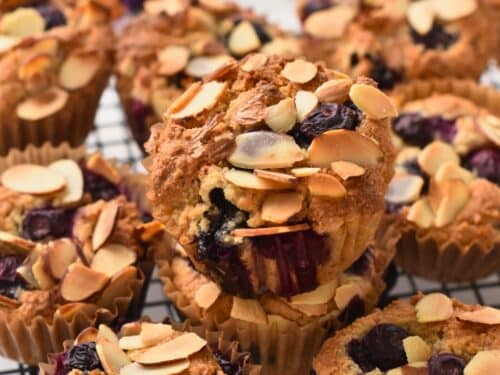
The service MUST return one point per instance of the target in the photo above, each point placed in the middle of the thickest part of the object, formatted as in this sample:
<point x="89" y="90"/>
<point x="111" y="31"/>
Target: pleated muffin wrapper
<point x="30" y="341"/>
<point x="465" y="250"/>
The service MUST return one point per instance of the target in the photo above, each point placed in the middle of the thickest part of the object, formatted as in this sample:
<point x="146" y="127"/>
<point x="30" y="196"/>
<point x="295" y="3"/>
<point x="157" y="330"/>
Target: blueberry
<point x="355" y="309"/>
<point x="486" y="163"/>
<point x="384" y="342"/>
<point x="140" y="112"/>
<point x="362" y="265"/>
<point x="133" y="5"/>
<point x="412" y="129"/>
<point x="313" y="6"/>
<point x="98" y="186"/>
<point x="436" y="38"/>
<point x="445" y="364"/>
<point x="261" y="33"/>
<point x="82" y="357"/>
<point x="53" y="17"/>
<point x="8" y="266"/>
<point x="359" y="355"/>
<point x="47" y="223"/>
<point x="385" y="76"/>
<point x="444" y="129"/>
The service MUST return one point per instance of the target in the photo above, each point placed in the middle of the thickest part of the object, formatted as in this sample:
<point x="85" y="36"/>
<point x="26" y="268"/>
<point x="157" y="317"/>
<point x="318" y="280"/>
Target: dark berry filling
<point x="133" y="5"/>
<point x="53" y="17"/>
<point x="140" y="112"/>
<point x="486" y="163"/>
<point x="313" y="6"/>
<point x="230" y="367"/>
<point x="359" y="355"/>
<point x="355" y="309"/>
<point x="445" y="364"/>
<point x="361" y="266"/>
<point x="9" y="281"/>
<point x="98" y="186"/>
<point x="47" y="223"/>
<point x="419" y="131"/>
<point x="81" y="357"/>
<point x="436" y="38"/>
<point x="385" y="76"/>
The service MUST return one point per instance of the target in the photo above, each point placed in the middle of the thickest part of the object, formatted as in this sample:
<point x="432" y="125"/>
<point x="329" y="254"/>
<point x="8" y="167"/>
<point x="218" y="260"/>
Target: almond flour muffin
<point x="75" y="249"/>
<point x="55" y="60"/>
<point x="428" y="335"/>
<point x="444" y="201"/>
<point x="394" y="41"/>
<point x="271" y="173"/>
<point x="164" y="50"/>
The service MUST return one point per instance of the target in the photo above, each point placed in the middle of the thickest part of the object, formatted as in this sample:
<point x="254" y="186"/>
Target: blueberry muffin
<point x="427" y="335"/>
<point x="444" y="201"/>
<point x="272" y="173"/>
<point x="75" y="248"/>
<point x="143" y="348"/>
<point x="394" y="41"/>
<point x="163" y="51"/>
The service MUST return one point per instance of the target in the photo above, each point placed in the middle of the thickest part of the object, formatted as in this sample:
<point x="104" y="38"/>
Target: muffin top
<point x="426" y="335"/>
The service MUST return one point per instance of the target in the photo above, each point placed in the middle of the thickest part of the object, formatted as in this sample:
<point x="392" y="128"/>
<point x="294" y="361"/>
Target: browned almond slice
<point x="104" y="332"/>
<point x="404" y="188"/>
<point x="180" y="347"/>
<point x="37" y="64"/>
<point x="105" y="224"/>
<point x="304" y="172"/>
<point x="102" y="167"/>
<point x="10" y="244"/>
<point x="450" y="171"/>
<point x="204" y="98"/>
<point x="249" y="310"/>
<point x="319" y="24"/>
<point x="81" y="282"/>
<point x="265" y="150"/>
<point x="268" y="231"/>
<point x="254" y="62"/>
<point x="171" y="368"/>
<point x="8" y="303"/>
<point x="150" y="230"/>
<point x="321" y="295"/>
<point x="450" y="10"/>
<point x="22" y="22"/>
<point x="78" y="70"/>
<point x="89" y="334"/>
<point x="436" y="154"/>
<point x="151" y="333"/>
<point x="25" y="271"/>
<point x="420" y="15"/>
<point x="205" y="65"/>
<point x="173" y="59"/>
<point x="455" y="195"/>
<point x="326" y="186"/>
<point x="343" y="145"/>
<point x="73" y="175"/>
<point x="490" y="126"/>
<point x="59" y="255"/>
<point x="485" y="315"/>
<point x="281" y="117"/>
<point x="131" y="342"/>
<point x="248" y="180"/>
<point x="218" y="5"/>
<point x="434" y="307"/>
<point x="32" y="179"/>
<point x="278" y="208"/>
<point x="334" y="91"/>
<point x="170" y="7"/>
<point x="113" y="258"/>
<point x="47" y="45"/>
<point x="276" y="176"/>
<point x="346" y="169"/>
<point x="299" y="71"/>
<point x="207" y="294"/>
<point x="112" y="358"/>
<point x="312" y="310"/>
<point x="305" y="103"/>
<point x="421" y="213"/>
<point x="243" y="39"/>
<point x="372" y="101"/>
<point x="484" y="362"/>
<point x="42" y="105"/>
<point x="345" y="293"/>
<point x="416" y="349"/>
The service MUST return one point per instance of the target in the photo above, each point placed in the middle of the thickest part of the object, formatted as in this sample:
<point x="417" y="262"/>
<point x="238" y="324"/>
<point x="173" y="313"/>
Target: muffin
<point x="55" y="60"/>
<point x="393" y="41"/>
<point x="284" y="333"/>
<point x="444" y="201"/>
<point x="249" y="173"/>
<point x="430" y="334"/>
<point x="75" y="248"/>
<point x="163" y="51"/>
<point x="148" y="348"/>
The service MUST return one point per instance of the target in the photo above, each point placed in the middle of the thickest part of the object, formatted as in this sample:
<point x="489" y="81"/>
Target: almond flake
<point x="404" y="188"/>
<point x="249" y="310"/>
<point x="22" y="22"/>
<point x="436" y="154"/>
<point x="278" y="208"/>
<point x="269" y="231"/>
<point x="205" y="65"/>
<point x="89" y="334"/>
<point x="455" y="195"/>
<point x="207" y="294"/>
<point x="346" y="169"/>
<point x="113" y="258"/>
<point x="43" y="279"/>
<point x="334" y="91"/>
<point x="253" y="62"/>
<point x="178" y="348"/>
<point x="281" y="117"/>
<point x="59" y="255"/>
<point x="490" y="126"/>
<point x="485" y="315"/>
<point x="343" y="145"/>
<point x="450" y="170"/>
<point x="78" y="70"/>
<point x="170" y="7"/>
<point x="112" y="358"/>
<point x="42" y="105"/>
<point x="150" y="230"/>
<point x="171" y="368"/>
<point x="312" y="310"/>
<point x="152" y="334"/>
<point x="321" y="295"/>
<point x="243" y="39"/>
<point x="276" y="176"/>
<point x="345" y="293"/>
<point x="105" y="224"/>
<point x="73" y="175"/>
<point x="420" y="15"/>
<point x="326" y="186"/>
<point x="173" y="59"/>
<point x="104" y="332"/>
<point x="450" y="10"/>
<point x="32" y="179"/>
<point x="484" y="362"/>
<point x="416" y="349"/>
<point x="248" y="180"/>
<point x="299" y="71"/>
<point x="13" y="245"/>
<point x="220" y="6"/>
<point x="103" y="168"/>
<point x="421" y="213"/>
<point x="304" y="172"/>
<point x="305" y="103"/>
<point x="37" y="64"/>
<point x="434" y="307"/>
<point x="80" y="282"/>
<point x="7" y="42"/>
<point x="372" y="101"/>
<point x="131" y="343"/>
<point x="204" y="98"/>
<point x="320" y="25"/>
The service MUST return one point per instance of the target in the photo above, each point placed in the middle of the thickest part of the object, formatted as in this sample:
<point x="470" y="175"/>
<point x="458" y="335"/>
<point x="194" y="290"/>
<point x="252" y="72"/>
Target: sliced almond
<point x="278" y="208"/>
<point x="10" y="244"/>
<point x="78" y="70"/>
<point x="102" y="167"/>
<point x="455" y="195"/>
<point x="321" y="295"/>
<point x="253" y="62"/>
<point x="305" y="103"/>
<point x="180" y="347"/>
<point x="73" y="175"/>
<point x="220" y="6"/>
<point x="299" y="71"/>
<point x="345" y="293"/>
<point x="89" y="334"/>
<point x="148" y="231"/>
<point x="37" y="64"/>
<point x="320" y="24"/>
<point x="170" y="7"/>
<point x="42" y="105"/>
<point x="80" y="282"/>
<point x="59" y="255"/>
<point x="248" y="180"/>
<point x="484" y="362"/>
<point x="46" y="45"/>
<point x="104" y="332"/>
<point x="372" y="101"/>
<point x="207" y="294"/>
<point x="152" y="334"/>
<point x="421" y="213"/>
<point x="347" y="170"/>
<point x="7" y="42"/>
<point x="131" y="342"/>
<point x="434" y="307"/>
<point x="312" y="310"/>
<point x="22" y="22"/>
<point x="416" y="349"/>
<point x="171" y="368"/>
<point x="203" y="99"/>
<point x="404" y="189"/>
<point x="343" y="145"/>
<point x="485" y="315"/>
<point x="265" y="150"/>
<point x="243" y="39"/>
<point x="205" y="65"/>
<point x="113" y="258"/>
<point x="421" y="15"/>
<point x="32" y="179"/>
<point x="326" y="186"/>
<point x="112" y="358"/>
<point x="490" y="126"/>
<point x="304" y="172"/>
<point x="334" y="91"/>
<point x="450" y="10"/>
<point x="281" y="117"/>
<point x="105" y="224"/>
<point x="173" y="59"/>
<point x="268" y="231"/>
<point x="450" y="171"/>
<point x="436" y="154"/>
<point x="276" y="176"/>
<point x="43" y="279"/>
<point x="249" y="310"/>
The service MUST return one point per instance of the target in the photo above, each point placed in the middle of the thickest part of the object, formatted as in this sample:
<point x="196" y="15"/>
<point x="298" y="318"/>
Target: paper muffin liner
<point x="31" y="341"/>
<point x="421" y="252"/>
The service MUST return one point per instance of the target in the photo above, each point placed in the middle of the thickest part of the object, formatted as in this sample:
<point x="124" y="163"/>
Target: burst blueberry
<point x="486" y="163"/>
<point x="82" y="357"/>
<point x="446" y="364"/>
<point x="47" y="223"/>
<point x="53" y="17"/>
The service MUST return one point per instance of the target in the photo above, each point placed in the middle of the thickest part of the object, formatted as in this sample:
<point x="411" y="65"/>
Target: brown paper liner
<point x="418" y="251"/>
<point x="31" y="341"/>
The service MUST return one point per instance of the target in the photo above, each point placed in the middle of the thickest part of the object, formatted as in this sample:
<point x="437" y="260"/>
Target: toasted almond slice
<point x="416" y="349"/>
<point x="112" y="358"/>
<point x="436" y="154"/>
<point x="152" y="334"/>
<point x="113" y="258"/>
<point x="253" y="62"/>
<point x="455" y="195"/>
<point x="299" y="71"/>
<point x="305" y="103"/>
<point x="276" y="176"/>
<point x="104" y="332"/>
<point x="326" y="186"/>
<point x="485" y="315"/>
<point x="22" y="22"/>
<point x="281" y="117"/>
<point x="450" y="10"/>
<point x="78" y="70"/>
<point x="278" y="208"/>
<point x="345" y="293"/>
<point x="80" y="282"/>
<point x="319" y="24"/>
<point x="205" y="65"/>
<point x="304" y="172"/>
<point x="32" y="179"/>
<point x="343" y="145"/>
<point x="268" y="231"/>
<point x="249" y="310"/>
<point x="89" y="334"/>
<point x="171" y="368"/>
<point x="347" y="170"/>
<point x="173" y="59"/>
<point x="105" y="224"/>
<point x="46" y="45"/>
<point x="220" y="6"/>
<point x="421" y="213"/>
<point x="102" y="167"/>
<point x="420" y="15"/>
<point x="43" y="279"/>
<point x="170" y="7"/>
<point x="73" y="175"/>
<point x="312" y="310"/>
<point x="450" y="170"/>
<point x="42" y="105"/>
<point x="265" y="150"/>
<point x="10" y="244"/>
<point x="248" y="180"/>
<point x="490" y="126"/>
<point x="404" y="189"/>
<point x="207" y="294"/>
<point x="334" y="91"/>
<point x="150" y="230"/>
<point x="131" y="342"/>
<point x="243" y="39"/>
<point x="484" y="362"/>
<point x="59" y="255"/>
<point x="372" y="101"/>
<point x="434" y="307"/>
<point x="321" y="295"/>
<point x="180" y="347"/>
<point x="204" y="98"/>
<point x="34" y="65"/>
